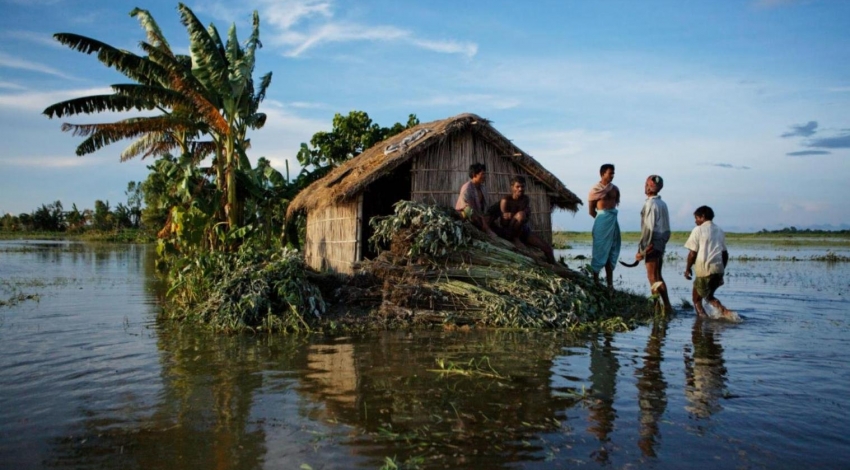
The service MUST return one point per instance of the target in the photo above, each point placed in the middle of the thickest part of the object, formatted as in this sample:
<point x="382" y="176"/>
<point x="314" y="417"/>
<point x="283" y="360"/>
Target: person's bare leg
<point x="716" y="304"/>
<point x="698" y="304"/>
<point x="515" y="228"/>
<point x="609" y="275"/>
<point x="668" y="307"/>
<point x="653" y="273"/>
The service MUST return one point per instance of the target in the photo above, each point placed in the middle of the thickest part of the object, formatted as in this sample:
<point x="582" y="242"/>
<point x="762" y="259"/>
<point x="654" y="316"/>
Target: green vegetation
<point x="51" y="221"/>
<point x="800" y="238"/>
<point x="436" y="263"/>
<point x="222" y="238"/>
<point x="221" y="230"/>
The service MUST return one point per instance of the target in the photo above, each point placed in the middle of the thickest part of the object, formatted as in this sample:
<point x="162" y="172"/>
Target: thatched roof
<point x="349" y="179"/>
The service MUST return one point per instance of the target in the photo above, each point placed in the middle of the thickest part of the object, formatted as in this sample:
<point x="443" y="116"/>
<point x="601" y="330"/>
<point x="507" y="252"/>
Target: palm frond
<point x="83" y="44"/>
<point x="207" y="62"/>
<point x="155" y="36"/>
<point x="102" y="134"/>
<point x="256" y="120"/>
<point x="202" y="149"/>
<point x="160" y="96"/>
<point x="140" y="69"/>
<point x="216" y="38"/>
<point x="253" y="42"/>
<point x="154" y="143"/>
<point x="260" y="95"/>
<point x="96" y="104"/>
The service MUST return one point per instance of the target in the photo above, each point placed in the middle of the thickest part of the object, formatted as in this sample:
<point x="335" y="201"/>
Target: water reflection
<point x="652" y="389"/>
<point x="705" y="372"/>
<point x="485" y="408"/>
<point x="200" y="419"/>
<point x="493" y="403"/>
<point x="603" y="378"/>
<point x="90" y="382"/>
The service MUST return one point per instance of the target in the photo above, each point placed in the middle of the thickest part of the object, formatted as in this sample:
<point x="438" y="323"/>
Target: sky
<point x="742" y="105"/>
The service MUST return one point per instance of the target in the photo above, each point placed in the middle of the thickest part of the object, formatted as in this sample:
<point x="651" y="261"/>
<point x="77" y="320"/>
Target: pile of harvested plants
<point x="435" y="268"/>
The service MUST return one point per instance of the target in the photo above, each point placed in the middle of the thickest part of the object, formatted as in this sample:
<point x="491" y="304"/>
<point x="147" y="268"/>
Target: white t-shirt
<point x="709" y="243"/>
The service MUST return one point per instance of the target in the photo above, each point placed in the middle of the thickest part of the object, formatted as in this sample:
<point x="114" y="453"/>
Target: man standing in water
<point x="603" y="199"/>
<point x="707" y="245"/>
<point x="471" y="203"/>
<point x="654" y="234"/>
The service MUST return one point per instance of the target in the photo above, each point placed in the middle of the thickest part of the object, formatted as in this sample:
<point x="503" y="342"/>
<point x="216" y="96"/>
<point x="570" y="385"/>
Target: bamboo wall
<point x="332" y="239"/>
<point x="440" y="171"/>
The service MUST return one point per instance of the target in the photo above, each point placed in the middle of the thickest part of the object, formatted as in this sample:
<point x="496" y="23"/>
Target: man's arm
<point x="692" y="258"/>
<point x="591" y="208"/>
<point x="647" y="225"/>
<point x="725" y="258"/>
<point x="503" y="207"/>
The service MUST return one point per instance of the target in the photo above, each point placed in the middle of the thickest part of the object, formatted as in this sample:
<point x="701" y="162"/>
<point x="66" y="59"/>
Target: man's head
<point x="702" y="214"/>
<point x="517" y="186"/>
<point x="476" y="172"/>
<point x="606" y="171"/>
<point x="653" y="185"/>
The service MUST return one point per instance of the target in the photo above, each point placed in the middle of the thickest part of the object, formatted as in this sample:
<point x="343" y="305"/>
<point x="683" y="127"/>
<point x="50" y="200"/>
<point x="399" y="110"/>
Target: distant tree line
<point x="54" y="218"/>
<point x="792" y="229"/>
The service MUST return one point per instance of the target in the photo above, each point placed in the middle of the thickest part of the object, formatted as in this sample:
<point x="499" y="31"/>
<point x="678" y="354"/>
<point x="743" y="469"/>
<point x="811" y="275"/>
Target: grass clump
<point x="250" y="289"/>
<point x="436" y="268"/>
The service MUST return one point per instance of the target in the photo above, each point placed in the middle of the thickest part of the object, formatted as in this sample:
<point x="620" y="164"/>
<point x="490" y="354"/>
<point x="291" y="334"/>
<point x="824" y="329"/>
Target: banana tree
<point x="207" y="100"/>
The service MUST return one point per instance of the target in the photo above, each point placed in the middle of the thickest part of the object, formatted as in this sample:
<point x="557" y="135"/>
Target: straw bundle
<point x="440" y="269"/>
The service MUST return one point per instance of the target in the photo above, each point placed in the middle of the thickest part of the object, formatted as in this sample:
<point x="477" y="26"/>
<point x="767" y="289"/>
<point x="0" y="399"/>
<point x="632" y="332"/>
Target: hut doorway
<point x="378" y="200"/>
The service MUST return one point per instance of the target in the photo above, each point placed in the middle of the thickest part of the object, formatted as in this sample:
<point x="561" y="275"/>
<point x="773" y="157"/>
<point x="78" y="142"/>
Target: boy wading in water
<point x="707" y="245"/>
<point x="603" y="200"/>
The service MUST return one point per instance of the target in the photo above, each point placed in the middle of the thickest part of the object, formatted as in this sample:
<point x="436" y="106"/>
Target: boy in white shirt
<point x="707" y="245"/>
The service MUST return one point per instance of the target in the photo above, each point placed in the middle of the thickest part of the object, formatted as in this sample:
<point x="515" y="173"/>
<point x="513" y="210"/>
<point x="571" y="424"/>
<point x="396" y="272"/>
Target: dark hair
<point x="518" y="179"/>
<point x="476" y="168"/>
<point x="705" y="212"/>
<point x="605" y="167"/>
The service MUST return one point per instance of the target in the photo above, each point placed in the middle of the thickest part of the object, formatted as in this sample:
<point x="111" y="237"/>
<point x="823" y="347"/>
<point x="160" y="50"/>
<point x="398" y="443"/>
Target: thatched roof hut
<point x="427" y="163"/>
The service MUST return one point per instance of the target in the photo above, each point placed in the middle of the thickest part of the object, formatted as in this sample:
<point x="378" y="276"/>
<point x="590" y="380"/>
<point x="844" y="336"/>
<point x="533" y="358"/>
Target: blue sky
<point x="741" y="105"/>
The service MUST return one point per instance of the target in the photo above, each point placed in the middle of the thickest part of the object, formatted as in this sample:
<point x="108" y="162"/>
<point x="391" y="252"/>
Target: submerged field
<point x="91" y="380"/>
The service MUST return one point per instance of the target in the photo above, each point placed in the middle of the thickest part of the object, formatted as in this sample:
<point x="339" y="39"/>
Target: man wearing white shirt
<point x="654" y="235"/>
<point x="707" y="245"/>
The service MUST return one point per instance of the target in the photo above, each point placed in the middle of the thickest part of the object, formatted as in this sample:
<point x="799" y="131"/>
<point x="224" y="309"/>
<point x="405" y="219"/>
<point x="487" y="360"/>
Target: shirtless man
<point x="603" y="200"/>
<point x="512" y="221"/>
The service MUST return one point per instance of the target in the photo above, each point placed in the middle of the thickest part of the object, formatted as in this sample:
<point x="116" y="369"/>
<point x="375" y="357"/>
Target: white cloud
<point x="448" y="47"/>
<point x="285" y="14"/>
<point x="281" y="138"/>
<point x="9" y="61"/>
<point x="50" y="161"/>
<point x="11" y="86"/>
<point x="37" y="101"/>
<point x="302" y="25"/>
<point x="34" y="37"/>
<point x="340" y="32"/>
<point x="307" y="105"/>
<point x="553" y="144"/>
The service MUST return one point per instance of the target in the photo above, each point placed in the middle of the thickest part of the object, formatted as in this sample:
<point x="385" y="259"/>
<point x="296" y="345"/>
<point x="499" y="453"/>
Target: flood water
<point x="88" y="379"/>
